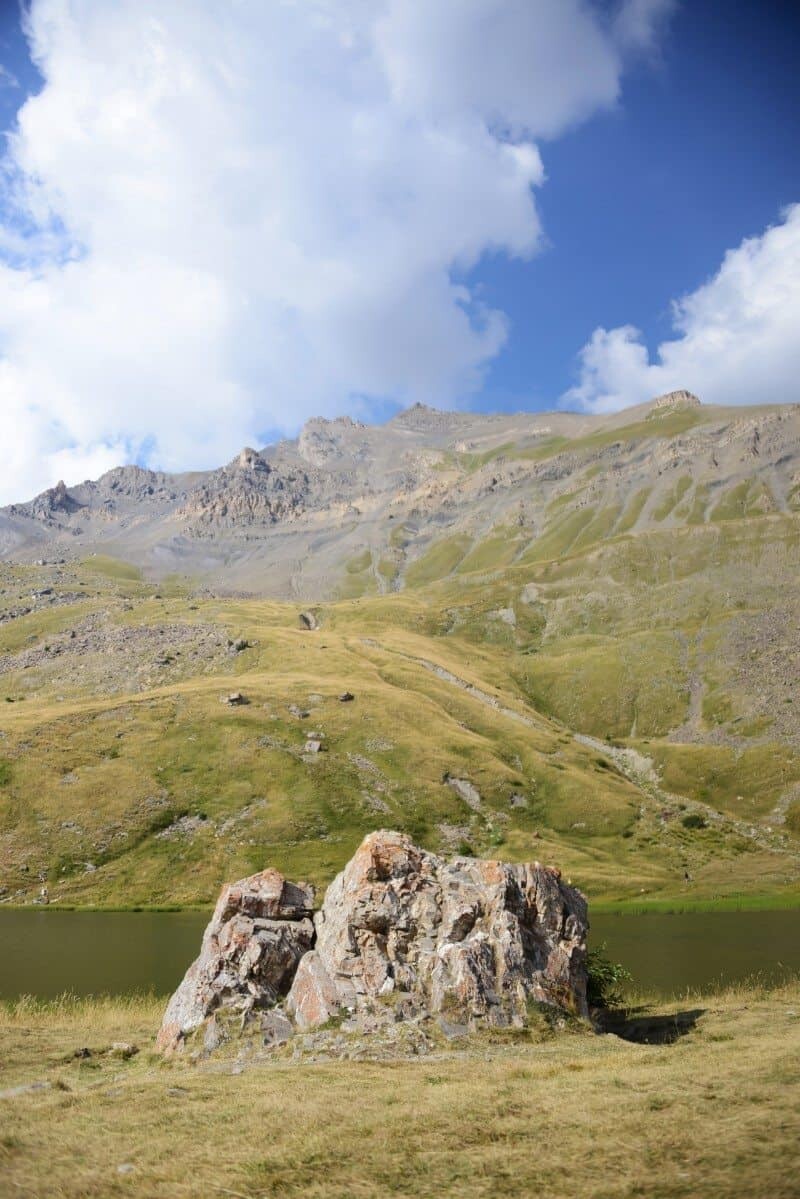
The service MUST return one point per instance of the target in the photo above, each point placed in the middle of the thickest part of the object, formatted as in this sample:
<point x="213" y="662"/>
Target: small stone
<point x="346" y="697"/>
<point x="123" y="1049"/>
<point x="212" y="1035"/>
<point x="451" y="1030"/>
<point x="126" y="1168"/>
<point x="276" y="1027"/>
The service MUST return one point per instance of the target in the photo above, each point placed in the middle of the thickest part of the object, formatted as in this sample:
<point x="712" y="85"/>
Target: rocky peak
<point x="53" y="502"/>
<point x="473" y="941"/>
<point x="323" y="440"/>
<point x="248" y="491"/>
<point x="675" y="399"/>
<point x="422" y="418"/>
<point x="249" y="460"/>
<point x="135" y="483"/>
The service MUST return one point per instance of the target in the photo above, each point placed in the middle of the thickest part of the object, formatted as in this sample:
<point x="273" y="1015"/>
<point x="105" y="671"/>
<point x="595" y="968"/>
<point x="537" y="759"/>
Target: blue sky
<point x="214" y="228"/>
<point x="704" y="151"/>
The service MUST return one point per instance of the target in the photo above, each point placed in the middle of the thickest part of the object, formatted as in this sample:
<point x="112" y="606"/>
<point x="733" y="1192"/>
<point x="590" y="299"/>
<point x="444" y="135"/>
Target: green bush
<point x="694" y="820"/>
<point x="605" y="978"/>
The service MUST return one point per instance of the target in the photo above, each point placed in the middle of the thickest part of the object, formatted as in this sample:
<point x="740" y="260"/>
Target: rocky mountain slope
<point x="574" y="637"/>
<point x="349" y="509"/>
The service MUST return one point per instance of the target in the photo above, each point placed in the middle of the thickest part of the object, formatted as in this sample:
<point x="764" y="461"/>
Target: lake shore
<point x="777" y="901"/>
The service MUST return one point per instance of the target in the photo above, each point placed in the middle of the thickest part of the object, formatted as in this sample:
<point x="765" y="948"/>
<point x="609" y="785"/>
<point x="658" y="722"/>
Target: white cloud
<point x="737" y="336"/>
<point x="231" y="217"/>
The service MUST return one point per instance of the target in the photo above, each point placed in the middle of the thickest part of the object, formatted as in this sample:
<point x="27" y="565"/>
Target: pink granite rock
<point x="260" y="929"/>
<point x="476" y="939"/>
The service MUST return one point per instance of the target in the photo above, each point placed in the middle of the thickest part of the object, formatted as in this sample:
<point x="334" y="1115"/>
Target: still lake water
<point x="45" y="953"/>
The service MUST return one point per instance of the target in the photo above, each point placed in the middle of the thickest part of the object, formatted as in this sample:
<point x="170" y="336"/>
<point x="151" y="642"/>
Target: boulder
<point x="402" y="934"/>
<point x="260" y="930"/>
<point x="474" y="940"/>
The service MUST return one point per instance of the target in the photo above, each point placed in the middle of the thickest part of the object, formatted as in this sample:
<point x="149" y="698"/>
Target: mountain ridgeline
<point x="351" y="509"/>
<point x="573" y="636"/>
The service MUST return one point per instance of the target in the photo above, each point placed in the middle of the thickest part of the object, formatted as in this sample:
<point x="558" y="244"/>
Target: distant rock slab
<point x="472" y="942"/>
<point x="260" y="930"/>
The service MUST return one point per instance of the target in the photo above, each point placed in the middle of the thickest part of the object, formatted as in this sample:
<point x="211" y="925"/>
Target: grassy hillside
<point x="125" y="780"/>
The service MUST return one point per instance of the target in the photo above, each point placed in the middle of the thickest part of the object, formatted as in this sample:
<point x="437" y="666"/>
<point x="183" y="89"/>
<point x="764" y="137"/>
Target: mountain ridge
<point x="289" y="519"/>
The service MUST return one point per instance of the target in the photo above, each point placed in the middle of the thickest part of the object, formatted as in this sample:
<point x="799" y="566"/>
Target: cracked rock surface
<point x="401" y="931"/>
<point x="260" y="929"/>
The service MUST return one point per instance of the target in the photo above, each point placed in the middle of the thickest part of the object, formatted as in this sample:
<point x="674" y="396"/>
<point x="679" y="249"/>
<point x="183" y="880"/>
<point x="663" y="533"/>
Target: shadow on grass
<point x="648" y="1029"/>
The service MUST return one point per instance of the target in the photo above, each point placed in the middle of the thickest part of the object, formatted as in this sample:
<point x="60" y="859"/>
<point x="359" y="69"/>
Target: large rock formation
<point x="400" y="929"/>
<point x="473" y="939"/>
<point x="260" y="929"/>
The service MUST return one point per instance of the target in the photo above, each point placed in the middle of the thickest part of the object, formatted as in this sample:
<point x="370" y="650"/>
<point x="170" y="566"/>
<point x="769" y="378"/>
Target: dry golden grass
<point x="716" y="1114"/>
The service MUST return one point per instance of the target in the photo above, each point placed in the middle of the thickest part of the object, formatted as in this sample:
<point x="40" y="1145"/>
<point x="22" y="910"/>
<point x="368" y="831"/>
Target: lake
<point x="45" y="953"/>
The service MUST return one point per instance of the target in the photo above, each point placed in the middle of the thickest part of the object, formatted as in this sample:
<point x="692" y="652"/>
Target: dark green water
<point x="45" y="953"/>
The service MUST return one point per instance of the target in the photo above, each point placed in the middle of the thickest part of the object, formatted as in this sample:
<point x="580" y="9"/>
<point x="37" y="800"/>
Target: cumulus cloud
<point x="736" y="336"/>
<point x="222" y="219"/>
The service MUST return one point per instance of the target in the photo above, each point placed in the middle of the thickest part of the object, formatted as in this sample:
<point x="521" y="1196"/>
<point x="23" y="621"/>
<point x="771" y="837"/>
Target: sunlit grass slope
<point x="126" y="780"/>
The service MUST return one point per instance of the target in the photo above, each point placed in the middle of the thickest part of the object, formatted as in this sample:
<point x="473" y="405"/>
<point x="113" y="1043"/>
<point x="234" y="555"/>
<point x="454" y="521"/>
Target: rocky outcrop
<point x="675" y="399"/>
<point x="476" y="940"/>
<point x="260" y="929"/>
<point x="401" y="931"/>
<point x="245" y="492"/>
<point x="56" y="501"/>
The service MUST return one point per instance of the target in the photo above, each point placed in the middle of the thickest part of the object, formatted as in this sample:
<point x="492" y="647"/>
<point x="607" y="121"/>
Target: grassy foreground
<point x="716" y="1113"/>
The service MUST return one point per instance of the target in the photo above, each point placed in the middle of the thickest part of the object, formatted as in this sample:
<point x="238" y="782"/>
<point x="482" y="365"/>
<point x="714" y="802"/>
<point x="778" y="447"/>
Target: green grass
<point x="437" y="562"/>
<point x="359" y="562"/>
<point x="633" y="510"/>
<point x="627" y="613"/>
<point x="746" y="783"/>
<point x="492" y="553"/>
<point x="752" y="497"/>
<point x="111" y="568"/>
<point x="472" y="462"/>
<point x="774" y="901"/>
<point x="672" y="498"/>
<point x="560" y="535"/>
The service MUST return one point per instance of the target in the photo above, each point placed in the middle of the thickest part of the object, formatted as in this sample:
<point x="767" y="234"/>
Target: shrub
<point x="694" y="820"/>
<point x="605" y="979"/>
